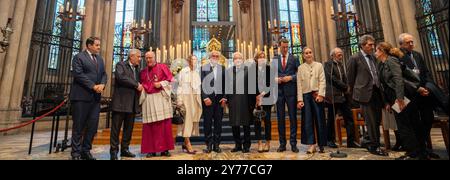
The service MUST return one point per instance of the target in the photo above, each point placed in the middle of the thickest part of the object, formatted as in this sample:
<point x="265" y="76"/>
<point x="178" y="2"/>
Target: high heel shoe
<point x="187" y="151"/>
<point x="267" y="147"/>
<point x="260" y="147"/>
<point x="311" y="150"/>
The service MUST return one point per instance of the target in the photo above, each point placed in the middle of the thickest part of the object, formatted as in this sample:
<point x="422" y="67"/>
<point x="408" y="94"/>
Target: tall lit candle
<point x="271" y="55"/>
<point x="339" y="8"/>
<point x="158" y="55"/>
<point x="68" y="6"/>
<point x="190" y="47"/>
<point x="166" y="56"/>
<point x="61" y="8"/>
<point x="265" y="51"/>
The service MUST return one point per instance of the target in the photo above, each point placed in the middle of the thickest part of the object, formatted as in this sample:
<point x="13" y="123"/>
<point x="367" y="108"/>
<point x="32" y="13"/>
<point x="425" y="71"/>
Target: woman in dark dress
<point x="265" y="87"/>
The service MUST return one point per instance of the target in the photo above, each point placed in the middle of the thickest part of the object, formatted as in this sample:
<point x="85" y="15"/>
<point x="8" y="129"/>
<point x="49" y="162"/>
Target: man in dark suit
<point x="125" y="103"/>
<point x="287" y="66"/>
<point x="427" y="100"/>
<point x="364" y="82"/>
<point x="337" y="99"/>
<point x="213" y="85"/>
<point x="89" y="80"/>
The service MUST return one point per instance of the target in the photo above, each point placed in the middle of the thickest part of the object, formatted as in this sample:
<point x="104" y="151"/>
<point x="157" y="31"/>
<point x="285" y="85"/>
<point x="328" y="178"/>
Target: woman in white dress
<point x="189" y="92"/>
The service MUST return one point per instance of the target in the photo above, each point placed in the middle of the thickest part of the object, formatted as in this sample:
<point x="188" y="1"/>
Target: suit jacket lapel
<point x="364" y="62"/>
<point x="280" y="63"/>
<point x="89" y="58"/>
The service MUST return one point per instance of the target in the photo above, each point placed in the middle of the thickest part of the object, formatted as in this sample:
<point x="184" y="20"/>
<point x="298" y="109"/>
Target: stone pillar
<point x="257" y="17"/>
<point x="331" y="30"/>
<point x="386" y="21"/>
<point x="323" y="35"/>
<point x="309" y="34"/>
<point x="109" y="18"/>
<point x="88" y="22"/>
<point x="15" y="62"/>
<point x="408" y="13"/>
<point x="22" y="59"/>
<point x="11" y="56"/>
<point x="396" y="19"/>
<point x="5" y="11"/>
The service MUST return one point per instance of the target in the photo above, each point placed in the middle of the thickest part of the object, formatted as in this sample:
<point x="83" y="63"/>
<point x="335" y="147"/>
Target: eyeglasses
<point x="215" y="56"/>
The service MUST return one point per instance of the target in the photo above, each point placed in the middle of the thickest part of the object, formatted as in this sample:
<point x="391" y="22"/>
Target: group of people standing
<point x="375" y="81"/>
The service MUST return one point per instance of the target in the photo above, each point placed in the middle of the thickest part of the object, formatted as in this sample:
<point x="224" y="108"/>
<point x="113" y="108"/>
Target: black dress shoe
<point x="378" y="152"/>
<point x="208" y="150"/>
<point x="217" y="150"/>
<point x="321" y="150"/>
<point x="352" y="145"/>
<point x="114" y="158"/>
<point x="433" y="155"/>
<point x="87" y="156"/>
<point x="281" y="149"/>
<point x="151" y="155"/>
<point x="332" y="144"/>
<point x="77" y="158"/>
<point x="406" y="158"/>
<point x="166" y="154"/>
<point x="127" y="154"/>
<point x="397" y="148"/>
<point x="295" y="150"/>
<point x="246" y="151"/>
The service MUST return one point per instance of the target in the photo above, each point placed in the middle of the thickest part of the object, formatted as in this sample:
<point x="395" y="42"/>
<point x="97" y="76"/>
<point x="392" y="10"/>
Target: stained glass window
<point x="201" y="38"/>
<point x="432" y="34"/>
<point x="207" y="10"/>
<point x="352" y="29"/>
<point x="122" y="36"/>
<point x="290" y="12"/>
<point x="55" y="41"/>
<point x="57" y="34"/>
<point x="77" y="33"/>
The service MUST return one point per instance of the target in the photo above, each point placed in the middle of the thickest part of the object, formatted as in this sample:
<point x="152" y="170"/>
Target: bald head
<point x="150" y="58"/>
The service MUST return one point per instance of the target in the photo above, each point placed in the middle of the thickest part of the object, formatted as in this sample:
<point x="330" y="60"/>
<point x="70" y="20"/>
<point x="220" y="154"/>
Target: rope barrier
<point x="37" y="119"/>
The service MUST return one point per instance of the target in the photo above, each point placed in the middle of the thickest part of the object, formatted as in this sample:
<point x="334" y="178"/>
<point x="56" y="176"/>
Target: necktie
<point x="373" y="70"/>
<point x="413" y="61"/>
<point x="95" y="61"/>
<point x="284" y="63"/>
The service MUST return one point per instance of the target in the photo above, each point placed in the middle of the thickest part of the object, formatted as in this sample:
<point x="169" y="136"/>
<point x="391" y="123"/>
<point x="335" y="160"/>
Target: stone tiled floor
<point x="15" y="147"/>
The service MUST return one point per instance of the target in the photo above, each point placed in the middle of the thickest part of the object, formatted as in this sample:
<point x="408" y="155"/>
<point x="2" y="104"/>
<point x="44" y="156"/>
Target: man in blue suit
<point x="287" y="65"/>
<point x="89" y="80"/>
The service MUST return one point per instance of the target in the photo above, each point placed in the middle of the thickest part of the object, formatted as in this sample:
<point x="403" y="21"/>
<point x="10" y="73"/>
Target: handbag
<point x="179" y="111"/>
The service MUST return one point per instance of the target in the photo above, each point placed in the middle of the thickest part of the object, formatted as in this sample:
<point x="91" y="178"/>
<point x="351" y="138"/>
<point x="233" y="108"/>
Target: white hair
<point x="237" y="54"/>
<point x="333" y="52"/>
<point x="401" y="38"/>
<point x="134" y="52"/>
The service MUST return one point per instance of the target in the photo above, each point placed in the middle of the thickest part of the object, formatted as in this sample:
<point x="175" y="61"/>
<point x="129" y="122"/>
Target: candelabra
<point x="137" y="31"/>
<point x="67" y="14"/>
<point x="6" y="31"/>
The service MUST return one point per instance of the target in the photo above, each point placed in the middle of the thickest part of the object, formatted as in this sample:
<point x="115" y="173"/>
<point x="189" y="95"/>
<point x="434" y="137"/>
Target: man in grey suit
<point x="89" y="80"/>
<point x="125" y="103"/>
<point x="364" y="82"/>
